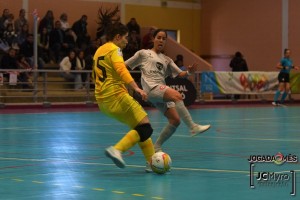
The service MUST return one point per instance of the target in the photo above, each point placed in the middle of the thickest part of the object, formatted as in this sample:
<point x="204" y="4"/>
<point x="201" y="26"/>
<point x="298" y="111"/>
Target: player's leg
<point x="133" y="116"/>
<point x="141" y="135"/>
<point x="145" y="131"/>
<point x="173" y="95"/>
<point x="278" y="93"/>
<point x="281" y="86"/>
<point x="168" y="109"/>
<point x="174" y="121"/>
<point x="286" y="88"/>
<point x="285" y="92"/>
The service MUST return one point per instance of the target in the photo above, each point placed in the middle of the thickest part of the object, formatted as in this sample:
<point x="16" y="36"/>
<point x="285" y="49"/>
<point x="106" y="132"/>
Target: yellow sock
<point x="128" y="141"/>
<point x="147" y="148"/>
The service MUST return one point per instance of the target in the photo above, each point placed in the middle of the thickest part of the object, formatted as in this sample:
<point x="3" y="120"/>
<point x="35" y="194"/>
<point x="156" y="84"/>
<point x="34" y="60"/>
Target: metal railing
<point x="47" y="86"/>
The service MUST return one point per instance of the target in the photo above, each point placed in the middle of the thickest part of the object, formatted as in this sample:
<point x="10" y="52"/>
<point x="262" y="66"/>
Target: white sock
<point x="165" y="134"/>
<point x="184" y="114"/>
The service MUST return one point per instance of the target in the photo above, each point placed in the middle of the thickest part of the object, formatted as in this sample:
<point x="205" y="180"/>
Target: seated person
<point x="10" y="61"/>
<point x="68" y="64"/>
<point x="26" y="76"/>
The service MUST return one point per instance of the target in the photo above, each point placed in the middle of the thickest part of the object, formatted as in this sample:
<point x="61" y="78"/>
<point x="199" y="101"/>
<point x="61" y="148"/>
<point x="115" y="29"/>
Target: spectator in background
<point x="179" y="62"/>
<point x="56" y="41"/>
<point x="24" y="77"/>
<point x="68" y="64"/>
<point x="10" y="20"/>
<point x="22" y="34"/>
<point x="132" y="25"/>
<point x="80" y="29"/>
<point x="134" y="44"/>
<point x="89" y="54"/>
<point x="43" y="44"/>
<point x="2" y="20"/>
<point x="69" y="41"/>
<point x="80" y="65"/>
<point x="26" y="49"/>
<point x="90" y="51"/>
<point x="147" y="41"/>
<point x="10" y="36"/>
<point x="20" y="21"/>
<point x="47" y="21"/>
<point x="9" y="61"/>
<point x="238" y="64"/>
<point x="64" y="21"/>
<point x="65" y="24"/>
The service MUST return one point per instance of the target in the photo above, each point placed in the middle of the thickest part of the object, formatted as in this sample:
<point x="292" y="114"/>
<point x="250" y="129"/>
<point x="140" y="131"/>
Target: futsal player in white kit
<point x="155" y="67"/>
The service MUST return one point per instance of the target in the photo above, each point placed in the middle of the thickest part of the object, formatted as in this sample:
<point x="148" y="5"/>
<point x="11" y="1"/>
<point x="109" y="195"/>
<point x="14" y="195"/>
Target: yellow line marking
<point x="98" y="189"/>
<point x="38" y="182"/>
<point x="16" y="179"/>
<point x="118" y="192"/>
<point x="138" y="195"/>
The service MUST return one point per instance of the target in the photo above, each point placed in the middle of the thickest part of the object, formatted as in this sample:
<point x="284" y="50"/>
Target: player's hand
<point x="192" y="68"/>
<point x="296" y="68"/>
<point x="143" y="94"/>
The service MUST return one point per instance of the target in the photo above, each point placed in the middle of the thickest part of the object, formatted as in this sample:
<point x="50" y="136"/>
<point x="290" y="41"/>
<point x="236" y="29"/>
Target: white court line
<point x="134" y="166"/>
<point x="175" y="135"/>
<point x="259" y="139"/>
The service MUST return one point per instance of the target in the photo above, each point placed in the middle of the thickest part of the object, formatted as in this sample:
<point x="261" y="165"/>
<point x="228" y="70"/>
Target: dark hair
<point x="285" y="50"/>
<point x="238" y="54"/>
<point x="179" y="57"/>
<point x="115" y="29"/>
<point x="159" y="30"/>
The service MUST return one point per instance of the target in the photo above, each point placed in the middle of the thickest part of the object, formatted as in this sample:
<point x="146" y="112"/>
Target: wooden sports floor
<point x="58" y="154"/>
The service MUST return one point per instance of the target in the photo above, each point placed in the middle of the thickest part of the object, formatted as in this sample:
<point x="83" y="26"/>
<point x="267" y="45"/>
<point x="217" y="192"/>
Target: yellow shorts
<point x="124" y="108"/>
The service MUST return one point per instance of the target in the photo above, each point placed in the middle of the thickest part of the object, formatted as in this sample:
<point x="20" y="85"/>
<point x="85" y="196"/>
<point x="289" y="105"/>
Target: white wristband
<point x="188" y="73"/>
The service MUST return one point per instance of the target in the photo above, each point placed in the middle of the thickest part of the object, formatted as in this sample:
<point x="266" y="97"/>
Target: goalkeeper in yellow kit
<point x="111" y="76"/>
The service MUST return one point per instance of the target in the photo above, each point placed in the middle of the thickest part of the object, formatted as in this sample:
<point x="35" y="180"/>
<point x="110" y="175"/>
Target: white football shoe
<point x="199" y="129"/>
<point x="116" y="156"/>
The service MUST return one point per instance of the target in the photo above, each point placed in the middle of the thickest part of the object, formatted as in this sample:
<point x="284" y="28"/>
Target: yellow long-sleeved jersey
<point x="109" y="71"/>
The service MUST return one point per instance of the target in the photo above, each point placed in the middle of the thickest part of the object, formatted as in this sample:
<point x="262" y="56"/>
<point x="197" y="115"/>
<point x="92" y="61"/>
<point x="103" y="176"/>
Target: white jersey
<point x="154" y="68"/>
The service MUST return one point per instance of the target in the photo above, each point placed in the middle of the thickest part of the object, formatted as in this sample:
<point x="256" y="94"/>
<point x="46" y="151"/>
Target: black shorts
<point x="283" y="77"/>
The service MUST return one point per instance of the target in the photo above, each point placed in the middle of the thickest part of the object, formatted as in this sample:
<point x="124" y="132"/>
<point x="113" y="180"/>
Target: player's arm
<point x="134" y="61"/>
<point x="280" y="66"/>
<point x="190" y="70"/>
<point x="295" y="67"/>
<point x="127" y="78"/>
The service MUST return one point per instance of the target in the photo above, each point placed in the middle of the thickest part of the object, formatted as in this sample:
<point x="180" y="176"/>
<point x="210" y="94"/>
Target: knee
<point x="145" y="131"/>
<point x="176" y="96"/>
<point x="175" y="121"/>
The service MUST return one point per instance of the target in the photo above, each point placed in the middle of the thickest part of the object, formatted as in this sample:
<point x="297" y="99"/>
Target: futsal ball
<point x="160" y="162"/>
